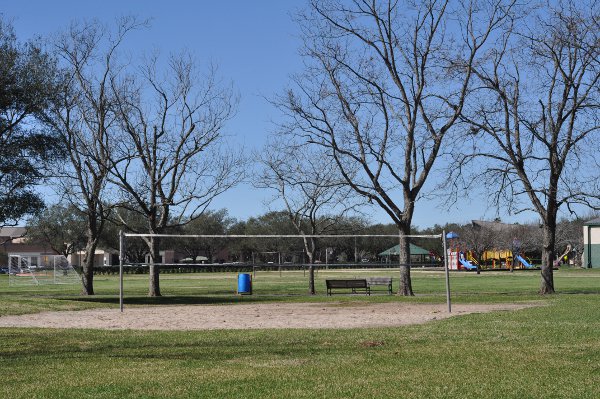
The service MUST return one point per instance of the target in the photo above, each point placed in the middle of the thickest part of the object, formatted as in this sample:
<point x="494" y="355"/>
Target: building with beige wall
<point x="102" y="257"/>
<point x="591" y="243"/>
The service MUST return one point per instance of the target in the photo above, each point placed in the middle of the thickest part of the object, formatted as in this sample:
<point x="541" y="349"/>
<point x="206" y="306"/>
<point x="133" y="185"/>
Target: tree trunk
<point x="547" y="282"/>
<point x="311" y="279"/>
<point x="311" y="268"/>
<point x="154" y="283"/>
<point x="87" y="275"/>
<point x="405" y="287"/>
<point x="310" y="247"/>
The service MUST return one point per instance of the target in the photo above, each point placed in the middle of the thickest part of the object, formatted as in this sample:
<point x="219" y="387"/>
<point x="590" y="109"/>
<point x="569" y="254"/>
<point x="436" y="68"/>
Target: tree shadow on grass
<point x="578" y="291"/>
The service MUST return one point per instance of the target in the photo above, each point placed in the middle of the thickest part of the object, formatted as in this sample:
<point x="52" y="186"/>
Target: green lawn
<point x="551" y="351"/>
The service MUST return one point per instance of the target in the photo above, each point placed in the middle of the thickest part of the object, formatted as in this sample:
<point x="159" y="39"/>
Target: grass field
<point x="550" y="351"/>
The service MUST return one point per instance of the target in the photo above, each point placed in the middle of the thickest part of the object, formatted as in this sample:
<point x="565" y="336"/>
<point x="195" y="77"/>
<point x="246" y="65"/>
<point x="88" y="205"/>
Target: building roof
<point x="414" y="250"/>
<point x="13" y="232"/>
<point x="12" y="248"/>
<point x="593" y="222"/>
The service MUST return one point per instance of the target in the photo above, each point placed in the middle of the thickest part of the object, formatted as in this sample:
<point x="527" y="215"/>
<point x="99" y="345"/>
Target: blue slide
<point x="524" y="262"/>
<point x="468" y="265"/>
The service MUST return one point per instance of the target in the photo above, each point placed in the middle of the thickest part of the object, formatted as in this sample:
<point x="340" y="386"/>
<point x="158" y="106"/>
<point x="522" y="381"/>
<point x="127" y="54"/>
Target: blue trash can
<point x="244" y="284"/>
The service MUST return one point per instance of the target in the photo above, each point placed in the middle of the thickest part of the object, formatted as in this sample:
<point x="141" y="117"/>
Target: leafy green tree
<point x="276" y="223"/>
<point x="62" y="227"/>
<point x="28" y="80"/>
<point x="210" y="222"/>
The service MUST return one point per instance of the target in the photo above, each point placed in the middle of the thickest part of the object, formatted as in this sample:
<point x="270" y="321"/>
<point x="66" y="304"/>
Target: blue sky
<point x="255" y="45"/>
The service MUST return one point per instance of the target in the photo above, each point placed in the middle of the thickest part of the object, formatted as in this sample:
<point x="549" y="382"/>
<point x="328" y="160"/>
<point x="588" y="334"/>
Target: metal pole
<point x="447" y="272"/>
<point x="121" y="257"/>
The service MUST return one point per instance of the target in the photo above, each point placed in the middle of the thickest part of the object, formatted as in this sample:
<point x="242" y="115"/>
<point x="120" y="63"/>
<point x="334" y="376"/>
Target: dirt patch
<point x="251" y="316"/>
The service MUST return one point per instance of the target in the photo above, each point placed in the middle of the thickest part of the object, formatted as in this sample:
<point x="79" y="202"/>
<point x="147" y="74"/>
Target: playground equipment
<point x="467" y="264"/>
<point x="563" y="255"/>
<point x="505" y="259"/>
<point x="525" y="264"/>
<point x="460" y="260"/>
<point x="463" y="259"/>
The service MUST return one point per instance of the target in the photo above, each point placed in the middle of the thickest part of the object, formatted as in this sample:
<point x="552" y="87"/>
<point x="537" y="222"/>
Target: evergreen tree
<point x="28" y="79"/>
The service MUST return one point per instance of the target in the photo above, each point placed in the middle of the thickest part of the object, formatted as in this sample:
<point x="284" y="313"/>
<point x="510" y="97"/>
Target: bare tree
<point x="385" y="83"/>
<point x="535" y="127"/>
<point x="315" y="195"/>
<point x="171" y="161"/>
<point x="85" y="115"/>
<point x="121" y="219"/>
<point x="478" y="240"/>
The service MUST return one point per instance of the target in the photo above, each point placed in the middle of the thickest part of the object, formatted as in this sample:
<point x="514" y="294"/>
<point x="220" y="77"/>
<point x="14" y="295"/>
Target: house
<point x="13" y="234"/>
<point x="33" y="254"/>
<point x="591" y="243"/>
<point x="102" y="257"/>
<point x="168" y="256"/>
<point x="417" y="254"/>
<point x="12" y="242"/>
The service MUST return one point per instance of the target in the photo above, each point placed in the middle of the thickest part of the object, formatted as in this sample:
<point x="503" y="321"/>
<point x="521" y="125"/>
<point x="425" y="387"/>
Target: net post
<point x="121" y="257"/>
<point x="446" y="272"/>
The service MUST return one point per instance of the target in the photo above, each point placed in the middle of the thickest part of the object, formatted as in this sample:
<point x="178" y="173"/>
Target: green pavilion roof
<point x="414" y="250"/>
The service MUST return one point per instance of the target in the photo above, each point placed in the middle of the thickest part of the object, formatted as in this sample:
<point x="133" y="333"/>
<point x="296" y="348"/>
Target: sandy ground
<point x="272" y="315"/>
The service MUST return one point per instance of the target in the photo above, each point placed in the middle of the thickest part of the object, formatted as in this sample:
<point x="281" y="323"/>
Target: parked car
<point x="3" y="270"/>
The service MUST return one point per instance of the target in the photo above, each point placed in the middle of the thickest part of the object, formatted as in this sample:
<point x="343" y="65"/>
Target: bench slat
<point x="346" y="283"/>
<point x="387" y="281"/>
<point x="379" y="280"/>
<point x="353" y="284"/>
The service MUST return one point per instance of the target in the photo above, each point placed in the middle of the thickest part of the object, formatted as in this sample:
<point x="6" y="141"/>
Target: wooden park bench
<point x="353" y="285"/>
<point x="386" y="281"/>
